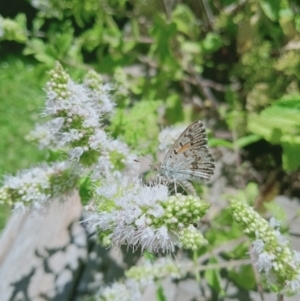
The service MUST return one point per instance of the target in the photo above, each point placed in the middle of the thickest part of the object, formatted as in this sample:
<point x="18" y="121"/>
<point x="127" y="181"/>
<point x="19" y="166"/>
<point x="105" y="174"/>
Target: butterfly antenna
<point x="147" y="157"/>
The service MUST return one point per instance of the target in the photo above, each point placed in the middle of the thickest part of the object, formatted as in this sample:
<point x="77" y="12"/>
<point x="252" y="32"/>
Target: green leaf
<point x="64" y="42"/>
<point x="289" y="102"/>
<point x="149" y="256"/>
<point x="174" y="110"/>
<point x="214" y="142"/>
<point x="191" y="47"/>
<point x="291" y="155"/>
<point x="244" y="277"/>
<point x="280" y="124"/>
<point x="270" y="8"/>
<point x="160" y="294"/>
<point x="45" y="58"/>
<point x="276" y="211"/>
<point x="184" y="19"/>
<point x="163" y="31"/>
<point x="275" y="123"/>
<point x="34" y="46"/>
<point x="138" y="126"/>
<point x="212" y="42"/>
<point x="85" y="190"/>
<point x="297" y="22"/>
<point x="92" y="37"/>
<point x="213" y="278"/>
<point x="246" y="140"/>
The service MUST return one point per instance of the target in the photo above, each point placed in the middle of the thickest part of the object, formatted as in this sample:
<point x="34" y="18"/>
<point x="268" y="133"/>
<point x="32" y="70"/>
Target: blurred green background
<point x="235" y="64"/>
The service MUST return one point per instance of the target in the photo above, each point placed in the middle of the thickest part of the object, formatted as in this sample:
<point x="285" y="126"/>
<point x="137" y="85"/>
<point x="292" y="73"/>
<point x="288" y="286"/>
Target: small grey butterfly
<point x="188" y="159"/>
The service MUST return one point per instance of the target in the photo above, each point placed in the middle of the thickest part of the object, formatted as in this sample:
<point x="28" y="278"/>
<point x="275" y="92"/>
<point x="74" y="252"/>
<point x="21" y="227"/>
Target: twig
<point x="227" y="264"/>
<point x="234" y="7"/>
<point x="144" y="40"/>
<point x="165" y="9"/>
<point x="206" y="83"/>
<point x="223" y="248"/>
<point x="204" y="88"/>
<point x="236" y="151"/>
<point x="208" y="12"/>
<point x="294" y="234"/>
<point x="146" y="60"/>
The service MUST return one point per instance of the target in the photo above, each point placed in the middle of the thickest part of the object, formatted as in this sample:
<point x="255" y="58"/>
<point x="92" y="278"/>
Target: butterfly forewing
<point x="189" y="157"/>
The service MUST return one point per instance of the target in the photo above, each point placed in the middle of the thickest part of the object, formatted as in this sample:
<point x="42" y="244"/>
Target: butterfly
<point x="188" y="159"/>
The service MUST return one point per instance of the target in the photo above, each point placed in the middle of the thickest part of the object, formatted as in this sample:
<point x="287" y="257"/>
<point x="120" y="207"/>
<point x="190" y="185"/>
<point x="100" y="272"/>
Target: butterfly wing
<point x="189" y="157"/>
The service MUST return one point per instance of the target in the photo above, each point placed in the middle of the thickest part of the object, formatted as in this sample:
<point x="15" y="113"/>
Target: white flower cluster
<point x="279" y="265"/>
<point x="147" y="272"/>
<point x="37" y="185"/>
<point x="127" y="221"/>
<point x="116" y="158"/>
<point x="44" y="134"/>
<point x="129" y="290"/>
<point x="77" y="111"/>
<point x="145" y="216"/>
<point x="76" y="115"/>
<point x="138" y="278"/>
<point x="99" y="92"/>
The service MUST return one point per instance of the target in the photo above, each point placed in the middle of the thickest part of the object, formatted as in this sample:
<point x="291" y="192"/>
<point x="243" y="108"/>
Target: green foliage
<point x="244" y="278"/>
<point x="21" y="98"/>
<point x="213" y="278"/>
<point x="85" y="190"/>
<point x="13" y="30"/>
<point x="4" y="214"/>
<point x="160" y="294"/>
<point x="271" y="9"/>
<point x="138" y="126"/>
<point x="234" y="63"/>
<point x="280" y="124"/>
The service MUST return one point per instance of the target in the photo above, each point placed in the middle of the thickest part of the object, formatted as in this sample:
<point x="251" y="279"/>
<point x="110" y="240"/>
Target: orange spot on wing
<point x="183" y="149"/>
